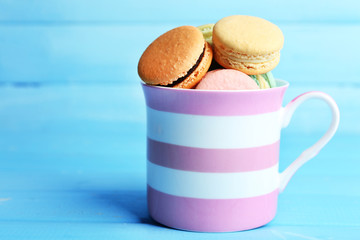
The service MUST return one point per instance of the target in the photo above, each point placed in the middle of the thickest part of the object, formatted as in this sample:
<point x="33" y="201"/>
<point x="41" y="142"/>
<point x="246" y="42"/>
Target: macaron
<point x="227" y="79"/>
<point x="265" y="80"/>
<point x="246" y="43"/>
<point x="179" y="58"/>
<point x="207" y="30"/>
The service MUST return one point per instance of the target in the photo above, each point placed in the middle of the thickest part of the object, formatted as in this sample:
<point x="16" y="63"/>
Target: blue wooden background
<point x="72" y="116"/>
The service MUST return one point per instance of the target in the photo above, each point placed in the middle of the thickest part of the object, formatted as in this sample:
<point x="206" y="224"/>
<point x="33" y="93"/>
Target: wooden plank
<point x="32" y="230"/>
<point x="128" y="205"/>
<point x="103" y="54"/>
<point x="179" y="11"/>
<point x="107" y="110"/>
<point x="82" y="127"/>
<point x="75" y="129"/>
<point x="72" y="154"/>
<point x="89" y="197"/>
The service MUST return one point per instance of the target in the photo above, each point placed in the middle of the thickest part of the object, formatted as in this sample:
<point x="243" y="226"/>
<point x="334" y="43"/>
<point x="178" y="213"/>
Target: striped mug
<point x="212" y="156"/>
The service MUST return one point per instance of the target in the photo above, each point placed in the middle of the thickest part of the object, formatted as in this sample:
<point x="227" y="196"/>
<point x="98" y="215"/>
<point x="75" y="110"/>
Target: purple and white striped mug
<point x="212" y="156"/>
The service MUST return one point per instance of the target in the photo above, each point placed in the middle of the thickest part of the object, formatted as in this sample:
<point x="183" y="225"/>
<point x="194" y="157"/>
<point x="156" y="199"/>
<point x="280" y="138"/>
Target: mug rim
<point x="282" y="83"/>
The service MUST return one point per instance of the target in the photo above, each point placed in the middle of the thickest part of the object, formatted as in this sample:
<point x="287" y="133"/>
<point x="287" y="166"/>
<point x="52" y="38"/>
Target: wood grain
<point x="312" y="54"/>
<point x="111" y="11"/>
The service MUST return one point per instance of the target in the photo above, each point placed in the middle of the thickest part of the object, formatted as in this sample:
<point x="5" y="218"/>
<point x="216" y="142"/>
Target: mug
<point x="212" y="156"/>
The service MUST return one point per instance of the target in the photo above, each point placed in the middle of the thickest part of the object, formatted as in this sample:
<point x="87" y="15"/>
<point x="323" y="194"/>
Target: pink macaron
<point x="227" y="79"/>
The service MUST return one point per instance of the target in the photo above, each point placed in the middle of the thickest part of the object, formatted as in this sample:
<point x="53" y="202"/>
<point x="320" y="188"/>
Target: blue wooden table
<point x="72" y="117"/>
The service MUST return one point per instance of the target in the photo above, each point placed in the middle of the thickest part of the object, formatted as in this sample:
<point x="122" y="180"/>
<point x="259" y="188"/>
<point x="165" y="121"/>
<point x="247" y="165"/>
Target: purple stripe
<point x="212" y="160"/>
<point x="214" y="103"/>
<point x="211" y="215"/>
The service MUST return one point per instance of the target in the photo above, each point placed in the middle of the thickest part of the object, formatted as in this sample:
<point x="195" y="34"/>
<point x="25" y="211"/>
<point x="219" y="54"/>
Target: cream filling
<point x="240" y="57"/>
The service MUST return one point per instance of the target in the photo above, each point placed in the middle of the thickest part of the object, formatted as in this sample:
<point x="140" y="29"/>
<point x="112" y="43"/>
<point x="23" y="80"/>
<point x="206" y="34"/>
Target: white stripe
<point x="212" y="185"/>
<point x="214" y="131"/>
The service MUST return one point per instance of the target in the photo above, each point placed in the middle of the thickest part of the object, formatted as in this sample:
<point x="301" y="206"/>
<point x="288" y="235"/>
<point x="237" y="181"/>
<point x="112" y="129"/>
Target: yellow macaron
<point x="246" y="43"/>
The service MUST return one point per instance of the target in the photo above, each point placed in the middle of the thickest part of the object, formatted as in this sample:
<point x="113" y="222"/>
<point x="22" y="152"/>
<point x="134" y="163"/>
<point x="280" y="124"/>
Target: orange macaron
<point x="179" y="58"/>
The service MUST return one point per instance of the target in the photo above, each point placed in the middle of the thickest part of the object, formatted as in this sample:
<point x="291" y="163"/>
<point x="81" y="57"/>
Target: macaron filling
<point x="179" y="80"/>
<point x="247" y="58"/>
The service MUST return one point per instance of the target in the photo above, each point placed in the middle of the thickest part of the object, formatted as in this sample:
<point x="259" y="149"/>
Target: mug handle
<point x="311" y="152"/>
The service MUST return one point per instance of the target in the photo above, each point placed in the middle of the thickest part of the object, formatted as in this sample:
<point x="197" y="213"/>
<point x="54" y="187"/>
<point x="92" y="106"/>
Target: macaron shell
<point x="195" y="77"/>
<point x="171" y="55"/>
<point x="248" y="35"/>
<point x="227" y="79"/>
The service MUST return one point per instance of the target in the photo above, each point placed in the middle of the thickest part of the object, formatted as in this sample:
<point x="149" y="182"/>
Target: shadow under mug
<point x="212" y="156"/>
